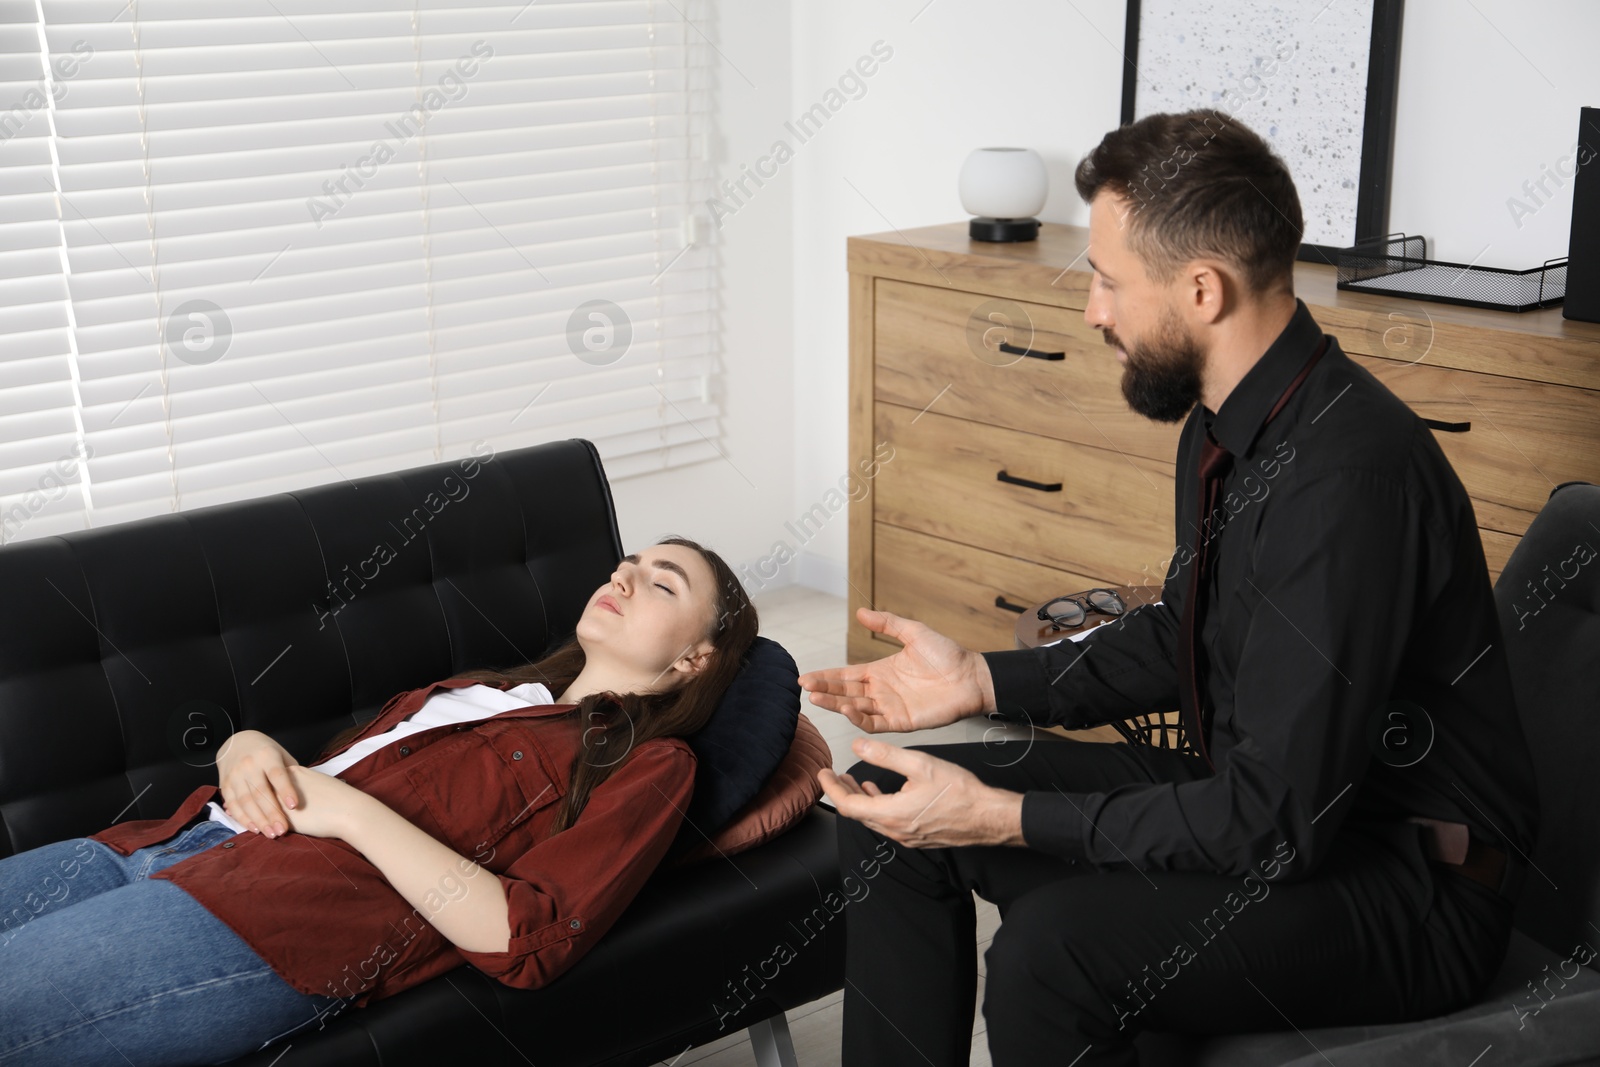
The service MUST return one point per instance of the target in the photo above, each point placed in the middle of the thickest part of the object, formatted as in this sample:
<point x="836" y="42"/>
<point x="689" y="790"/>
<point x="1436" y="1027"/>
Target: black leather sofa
<point x="127" y="654"/>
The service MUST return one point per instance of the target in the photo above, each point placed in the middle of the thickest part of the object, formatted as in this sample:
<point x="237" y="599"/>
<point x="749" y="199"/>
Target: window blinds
<point x="256" y="246"/>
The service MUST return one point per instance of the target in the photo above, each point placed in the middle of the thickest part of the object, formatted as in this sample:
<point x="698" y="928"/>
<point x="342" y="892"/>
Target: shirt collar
<point x="1237" y="423"/>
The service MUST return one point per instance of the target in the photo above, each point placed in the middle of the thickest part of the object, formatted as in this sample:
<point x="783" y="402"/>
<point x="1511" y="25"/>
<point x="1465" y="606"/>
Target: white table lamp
<point x="1004" y="188"/>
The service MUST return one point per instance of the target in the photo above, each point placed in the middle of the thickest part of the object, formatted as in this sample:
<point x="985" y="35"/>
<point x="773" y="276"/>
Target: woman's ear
<point x="696" y="659"/>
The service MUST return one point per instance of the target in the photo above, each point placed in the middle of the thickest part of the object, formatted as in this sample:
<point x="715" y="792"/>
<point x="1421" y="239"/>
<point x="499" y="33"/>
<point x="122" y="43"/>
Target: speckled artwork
<point x="1296" y="73"/>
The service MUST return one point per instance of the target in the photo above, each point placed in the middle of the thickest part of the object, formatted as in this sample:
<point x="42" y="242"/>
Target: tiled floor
<point x="811" y="625"/>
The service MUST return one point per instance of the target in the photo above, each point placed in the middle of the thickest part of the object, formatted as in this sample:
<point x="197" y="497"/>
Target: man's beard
<point x="1161" y="378"/>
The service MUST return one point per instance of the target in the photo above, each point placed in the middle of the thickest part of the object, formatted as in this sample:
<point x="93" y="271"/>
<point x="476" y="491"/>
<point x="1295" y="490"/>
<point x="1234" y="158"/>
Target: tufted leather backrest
<point x="129" y="653"/>
<point x="1548" y="598"/>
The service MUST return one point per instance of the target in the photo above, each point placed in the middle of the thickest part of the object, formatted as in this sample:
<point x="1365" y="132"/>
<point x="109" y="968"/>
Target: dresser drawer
<point x="953" y="587"/>
<point x="1525" y="438"/>
<point x="1110" y="517"/>
<point x="939" y="349"/>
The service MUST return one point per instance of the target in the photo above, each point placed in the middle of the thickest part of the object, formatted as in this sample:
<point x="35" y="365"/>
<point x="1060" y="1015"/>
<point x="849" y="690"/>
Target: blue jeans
<point x="99" y="963"/>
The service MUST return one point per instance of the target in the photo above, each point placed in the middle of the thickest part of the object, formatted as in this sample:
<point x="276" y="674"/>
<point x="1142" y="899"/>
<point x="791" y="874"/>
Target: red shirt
<point x="327" y="921"/>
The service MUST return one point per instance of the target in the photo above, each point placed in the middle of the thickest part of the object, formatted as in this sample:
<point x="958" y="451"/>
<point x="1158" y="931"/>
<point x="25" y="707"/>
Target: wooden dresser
<point x="1020" y="473"/>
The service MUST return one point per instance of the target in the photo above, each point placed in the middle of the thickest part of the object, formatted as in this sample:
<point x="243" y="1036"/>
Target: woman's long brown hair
<point x="621" y="722"/>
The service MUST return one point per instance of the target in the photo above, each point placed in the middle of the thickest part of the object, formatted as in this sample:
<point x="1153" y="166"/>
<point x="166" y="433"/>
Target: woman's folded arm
<point x="431" y="876"/>
<point x="566" y="891"/>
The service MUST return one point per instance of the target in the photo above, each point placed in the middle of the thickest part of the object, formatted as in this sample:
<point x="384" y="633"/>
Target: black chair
<point x="271" y="614"/>
<point x="1543" y="1007"/>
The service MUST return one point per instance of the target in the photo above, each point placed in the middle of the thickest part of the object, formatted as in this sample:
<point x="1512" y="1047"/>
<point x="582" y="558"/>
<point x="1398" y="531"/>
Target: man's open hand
<point x="931" y="682"/>
<point x="940" y="803"/>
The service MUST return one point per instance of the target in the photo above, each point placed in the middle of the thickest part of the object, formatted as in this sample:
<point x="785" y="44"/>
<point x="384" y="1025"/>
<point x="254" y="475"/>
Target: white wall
<point x="1488" y="91"/>
<point x="737" y="505"/>
<point x="1487" y="95"/>
<point x="963" y="75"/>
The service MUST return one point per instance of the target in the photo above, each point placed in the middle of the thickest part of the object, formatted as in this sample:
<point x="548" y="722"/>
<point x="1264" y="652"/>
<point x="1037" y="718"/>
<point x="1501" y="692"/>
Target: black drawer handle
<point x="1017" y="351"/>
<point x="1448" y="427"/>
<point x="1053" y="487"/>
<point x="1002" y="602"/>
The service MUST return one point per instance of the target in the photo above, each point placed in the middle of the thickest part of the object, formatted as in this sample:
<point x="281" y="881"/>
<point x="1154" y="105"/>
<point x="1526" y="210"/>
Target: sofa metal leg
<point x="770" y="1039"/>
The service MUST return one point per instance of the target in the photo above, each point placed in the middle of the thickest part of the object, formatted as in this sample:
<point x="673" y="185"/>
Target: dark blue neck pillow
<point x="746" y="739"/>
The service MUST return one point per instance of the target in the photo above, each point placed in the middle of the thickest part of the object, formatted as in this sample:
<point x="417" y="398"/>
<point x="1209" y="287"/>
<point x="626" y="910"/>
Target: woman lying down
<point x="504" y="819"/>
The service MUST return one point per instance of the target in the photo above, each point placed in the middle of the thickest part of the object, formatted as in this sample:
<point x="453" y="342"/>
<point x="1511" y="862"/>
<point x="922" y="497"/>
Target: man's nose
<point x="1095" y="314"/>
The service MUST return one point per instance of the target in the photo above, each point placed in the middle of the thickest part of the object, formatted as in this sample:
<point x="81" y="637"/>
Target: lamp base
<point x="984" y="228"/>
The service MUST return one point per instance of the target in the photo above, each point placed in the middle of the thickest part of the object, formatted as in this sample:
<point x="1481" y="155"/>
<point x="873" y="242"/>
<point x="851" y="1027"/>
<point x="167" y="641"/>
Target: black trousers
<point x="1085" y="959"/>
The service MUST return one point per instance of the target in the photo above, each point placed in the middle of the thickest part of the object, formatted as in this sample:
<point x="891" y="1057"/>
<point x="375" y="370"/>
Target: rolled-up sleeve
<point x="565" y="892"/>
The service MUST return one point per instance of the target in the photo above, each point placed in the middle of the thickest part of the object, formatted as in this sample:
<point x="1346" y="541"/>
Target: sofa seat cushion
<point x="1564" y="1031"/>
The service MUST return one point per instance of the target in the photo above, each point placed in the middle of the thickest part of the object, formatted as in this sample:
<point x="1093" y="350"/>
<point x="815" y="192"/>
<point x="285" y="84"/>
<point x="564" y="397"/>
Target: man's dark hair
<point x="1200" y="183"/>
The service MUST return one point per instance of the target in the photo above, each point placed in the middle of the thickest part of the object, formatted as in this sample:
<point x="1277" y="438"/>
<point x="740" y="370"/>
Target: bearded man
<point x="1288" y="866"/>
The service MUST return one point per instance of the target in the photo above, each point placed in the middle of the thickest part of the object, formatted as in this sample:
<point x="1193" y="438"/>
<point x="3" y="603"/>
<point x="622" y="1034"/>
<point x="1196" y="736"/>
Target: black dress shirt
<point x="1350" y="652"/>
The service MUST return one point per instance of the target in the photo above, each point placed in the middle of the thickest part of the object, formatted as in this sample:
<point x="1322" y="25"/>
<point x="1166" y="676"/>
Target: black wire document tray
<point x="1396" y="265"/>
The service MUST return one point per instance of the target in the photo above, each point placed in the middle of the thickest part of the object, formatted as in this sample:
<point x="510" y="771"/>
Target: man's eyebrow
<point x="1096" y="269"/>
<point x="665" y="564"/>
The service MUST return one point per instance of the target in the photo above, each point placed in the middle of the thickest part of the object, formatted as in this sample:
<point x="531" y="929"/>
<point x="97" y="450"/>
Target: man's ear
<point x="1211" y="286"/>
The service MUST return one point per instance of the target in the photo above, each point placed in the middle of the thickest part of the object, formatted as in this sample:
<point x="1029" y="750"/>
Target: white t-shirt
<point x="468" y="703"/>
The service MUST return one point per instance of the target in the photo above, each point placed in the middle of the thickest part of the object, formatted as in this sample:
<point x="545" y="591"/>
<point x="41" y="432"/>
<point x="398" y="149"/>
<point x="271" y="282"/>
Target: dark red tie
<point x="1214" y="464"/>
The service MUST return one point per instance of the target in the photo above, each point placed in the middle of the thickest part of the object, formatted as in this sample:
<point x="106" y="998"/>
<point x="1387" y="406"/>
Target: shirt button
<point x="576" y="923"/>
<point x="517" y="754"/>
<point x="227" y="844"/>
<point x="460" y="728"/>
<point x="405" y="751"/>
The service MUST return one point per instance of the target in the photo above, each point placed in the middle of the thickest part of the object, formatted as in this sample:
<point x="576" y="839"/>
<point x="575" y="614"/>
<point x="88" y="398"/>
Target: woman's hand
<point x="253" y="772"/>
<point x="330" y="807"/>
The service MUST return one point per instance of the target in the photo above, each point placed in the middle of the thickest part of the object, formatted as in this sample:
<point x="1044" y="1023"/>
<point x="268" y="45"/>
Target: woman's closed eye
<point x="667" y="588"/>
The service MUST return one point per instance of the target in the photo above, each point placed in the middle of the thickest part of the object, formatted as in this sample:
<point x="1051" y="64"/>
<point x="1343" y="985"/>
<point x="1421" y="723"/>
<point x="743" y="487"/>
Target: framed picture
<point x="1316" y="81"/>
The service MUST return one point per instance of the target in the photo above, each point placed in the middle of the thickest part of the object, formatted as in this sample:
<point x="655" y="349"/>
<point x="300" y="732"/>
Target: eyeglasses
<point x="1066" y="611"/>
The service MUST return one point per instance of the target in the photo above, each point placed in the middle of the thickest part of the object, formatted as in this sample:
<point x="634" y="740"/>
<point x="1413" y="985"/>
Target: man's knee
<point x="886" y="780"/>
<point x="1033" y="960"/>
<point x="963" y="754"/>
<point x="855" y="839"/>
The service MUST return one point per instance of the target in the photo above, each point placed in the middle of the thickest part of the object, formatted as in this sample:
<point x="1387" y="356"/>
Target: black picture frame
<point x="1377" y="133"/>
